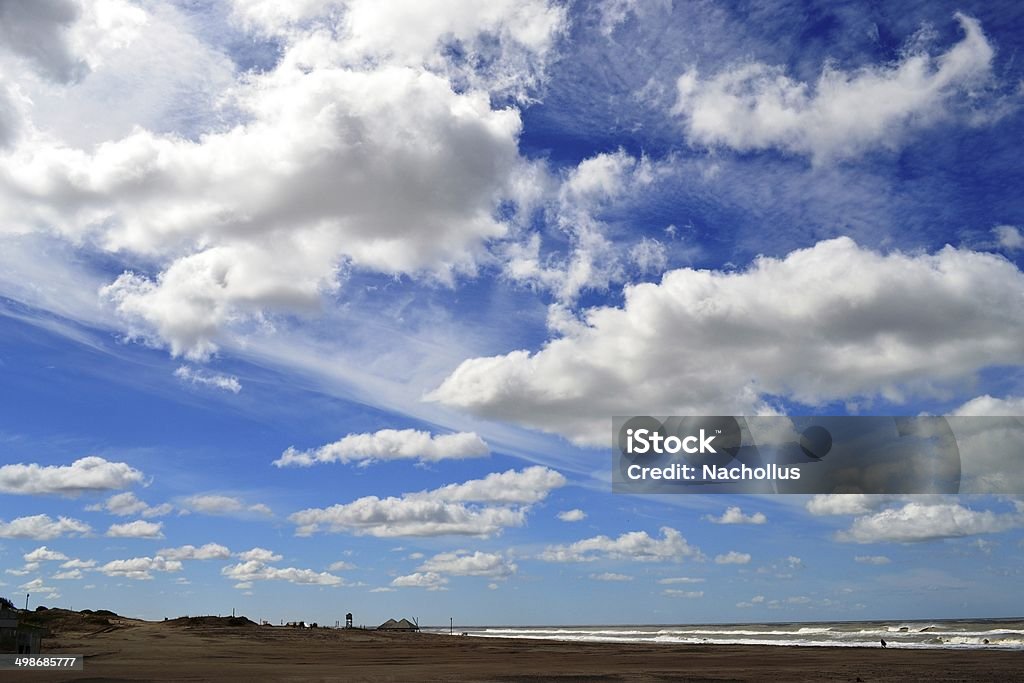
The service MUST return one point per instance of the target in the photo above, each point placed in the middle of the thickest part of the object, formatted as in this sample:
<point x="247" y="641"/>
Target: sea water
<point x="1001" y="634"/>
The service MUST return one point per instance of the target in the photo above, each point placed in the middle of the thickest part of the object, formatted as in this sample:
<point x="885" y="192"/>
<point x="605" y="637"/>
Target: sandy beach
<point x="210" y="648"/>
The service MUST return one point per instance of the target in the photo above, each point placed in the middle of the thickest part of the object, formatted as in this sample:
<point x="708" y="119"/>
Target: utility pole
<point x="451" y="626"/>
<point x="26" y="601"/>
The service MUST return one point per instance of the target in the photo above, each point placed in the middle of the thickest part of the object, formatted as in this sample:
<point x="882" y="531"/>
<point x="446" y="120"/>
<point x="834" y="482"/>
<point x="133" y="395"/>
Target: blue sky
<point x="327" y="307"/>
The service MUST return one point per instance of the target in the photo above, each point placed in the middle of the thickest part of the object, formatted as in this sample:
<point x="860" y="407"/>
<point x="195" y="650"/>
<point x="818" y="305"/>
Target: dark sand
<point x="208" y="649"/>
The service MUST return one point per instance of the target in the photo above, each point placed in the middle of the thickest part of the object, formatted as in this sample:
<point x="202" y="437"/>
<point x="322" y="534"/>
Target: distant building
<point x="17" y="638"/>
<point x="402" y="625"/>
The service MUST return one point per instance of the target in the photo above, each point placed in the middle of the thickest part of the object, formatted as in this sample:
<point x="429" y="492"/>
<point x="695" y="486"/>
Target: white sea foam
<point x="985" y="634"/>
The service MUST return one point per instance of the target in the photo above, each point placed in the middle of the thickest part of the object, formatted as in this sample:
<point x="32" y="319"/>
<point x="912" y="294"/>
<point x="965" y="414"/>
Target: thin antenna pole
<point x="26" y="601"/>
<point x="451" y="626"/>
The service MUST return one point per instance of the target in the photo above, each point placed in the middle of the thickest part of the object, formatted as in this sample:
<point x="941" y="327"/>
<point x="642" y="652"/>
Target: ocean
<point x="1001" y="634"/>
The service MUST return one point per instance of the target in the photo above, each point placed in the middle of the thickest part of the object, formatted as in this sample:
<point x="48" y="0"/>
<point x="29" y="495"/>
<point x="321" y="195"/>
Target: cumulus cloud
<point x="392" y="517"/>
<point x="70" y="575"/>
<point x="1009" y="237"/>
<point x="989" y="431"/>
<point x="390" y="444"/>
<point x="679" y="579"/>
<point x="216" y="504"/>
<point x="924" y="522"/>
<point x="432" y="581"/>
<point x="991" y="406"/>
<point x="215" y="380"/>
<point x="530" y="485"/>
<point x="44" y="554"/>
<point x="127" y="504"/>
<point x="42" y="527"/>
<point x="140" y="568"/>
<point x="734" y="515"/>
<point x="137" y="529"/>
<point x="91" y="473"/>
<point x="633" y="545"/>
<point x="210" y="551"/>
<point x="78" y="564"/>
<point x="872" y="559"/>
<point x="684" y="346"/>
<point x="38" y="31"/>
<point x="277" y="236"/>
<point x="611" y="576"/>
<point x="733" y="557"/>
<point x="591" y="261"/>
<point x="464" y="563"/>
<point x="676" y="593"/>
<point x="756" y="600"/>
<point x="755" y="106"/>
<point x="504" y="44"/>
<point x="254" y="570"/>
<point x="845" y="503"/>
<point x="259" y="555"/>
<point x="574" y="515"/>
<point x="478" y="507"/>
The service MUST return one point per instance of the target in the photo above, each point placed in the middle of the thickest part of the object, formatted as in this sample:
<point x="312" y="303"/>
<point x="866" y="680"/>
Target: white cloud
<point x="70" y="575"/>
<point x="210" y="551"/>
<point x="44" y="554"/>
<point x="255" y="570"/>
<point x="37" y="586"/>
<point x="1009" y="237"/>
<point x="127" y="504"/>
<point x="216" y="380"/>
<point x="530" y="485"/>
<point x="278" y="238"/>
<point x="432" y="581"/>
<point x="755" y="106"/>
<point x="390" y="444"/>
<point x="340" y="566"/>
<point x="137" y="529"/>
<point x="464" y="563"/>
<point x="872" y="559"/>
<point x="251" y="206"/>
<point x="734" y="515"/>
<point x="649" y="256"/>
<point x="407" y="31"/>
<point x="574" y="515"/>
<point x="453" y="509"/>
<point x="216" y="504"/>
<point x="990" y="406"/>
<point x="923" y="522"/>
<point x="683" y="347"/>
<point x="78" y="564"/>
<point x="91" y="473"/>
<point x="408" y="516"/>
<point x="988" y="433"/>
<point x="140" y="568"/>
<point x="844" y="503"/>
<point x="632" y="545"/>
<point x="676" y="593"/>
<point x="259" y="555"/>
<point x="42" y="527"/>
<point x="733" y="557"/>
<point x="592" y="261"/>
<point x="611" y="576"/>
<point x="39" y="32"/>
<point x="679" y="579"/>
